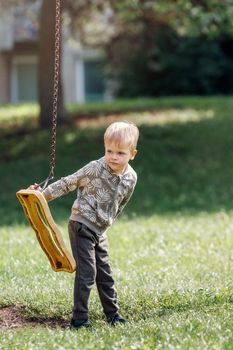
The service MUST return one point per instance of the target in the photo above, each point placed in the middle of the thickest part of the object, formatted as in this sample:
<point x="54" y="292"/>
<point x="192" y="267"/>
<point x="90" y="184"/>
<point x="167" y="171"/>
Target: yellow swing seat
<point x="48" y="234"/>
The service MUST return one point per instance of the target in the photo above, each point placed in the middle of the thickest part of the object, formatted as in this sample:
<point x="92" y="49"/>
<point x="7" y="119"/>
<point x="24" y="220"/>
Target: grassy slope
<point x="171" y="252"/>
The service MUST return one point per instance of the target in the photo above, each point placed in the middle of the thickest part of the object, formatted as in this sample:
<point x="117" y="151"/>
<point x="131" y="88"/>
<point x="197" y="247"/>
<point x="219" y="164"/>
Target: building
<point x="82" y="73"/>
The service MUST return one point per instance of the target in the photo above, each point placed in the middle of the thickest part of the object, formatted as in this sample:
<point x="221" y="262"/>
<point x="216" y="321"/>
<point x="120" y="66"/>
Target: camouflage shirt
<point x="101" y="194"/>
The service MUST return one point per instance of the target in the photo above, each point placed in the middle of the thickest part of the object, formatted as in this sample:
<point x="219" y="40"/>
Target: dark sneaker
<point x="114" y="320"/>
<point x="76" y="324"/>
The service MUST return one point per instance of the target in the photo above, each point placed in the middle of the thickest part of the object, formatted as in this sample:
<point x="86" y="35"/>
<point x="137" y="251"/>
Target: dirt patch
<point x="14" y="317"/>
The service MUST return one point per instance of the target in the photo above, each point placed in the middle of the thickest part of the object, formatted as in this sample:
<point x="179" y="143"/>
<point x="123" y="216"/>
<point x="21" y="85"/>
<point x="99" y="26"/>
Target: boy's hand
<point x="35" y="187"/>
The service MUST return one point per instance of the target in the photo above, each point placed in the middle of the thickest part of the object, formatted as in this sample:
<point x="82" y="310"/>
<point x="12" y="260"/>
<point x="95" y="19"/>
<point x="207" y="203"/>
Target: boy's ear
<point x="133" y="154"/>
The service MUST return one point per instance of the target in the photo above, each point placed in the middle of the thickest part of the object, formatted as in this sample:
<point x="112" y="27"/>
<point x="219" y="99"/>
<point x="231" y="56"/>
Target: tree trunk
<point x="46" y="66"/>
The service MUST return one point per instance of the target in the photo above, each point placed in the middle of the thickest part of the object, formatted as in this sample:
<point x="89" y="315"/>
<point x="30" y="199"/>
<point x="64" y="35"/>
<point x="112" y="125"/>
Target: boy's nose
<point x="114" y="156"/>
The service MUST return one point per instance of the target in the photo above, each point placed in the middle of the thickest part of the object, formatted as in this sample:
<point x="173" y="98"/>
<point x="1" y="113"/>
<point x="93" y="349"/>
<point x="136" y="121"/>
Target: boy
<point x="104" y="187"/>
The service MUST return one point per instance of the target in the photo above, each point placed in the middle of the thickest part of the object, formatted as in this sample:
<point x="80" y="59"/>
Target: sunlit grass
<point x="173" y="276"/>
<point x="18" y="114"/>
<point x="156" y="117"/>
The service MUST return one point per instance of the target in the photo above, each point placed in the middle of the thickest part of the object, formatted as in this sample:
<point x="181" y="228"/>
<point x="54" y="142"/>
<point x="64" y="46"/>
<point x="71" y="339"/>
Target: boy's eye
<point x="121" y="153"/>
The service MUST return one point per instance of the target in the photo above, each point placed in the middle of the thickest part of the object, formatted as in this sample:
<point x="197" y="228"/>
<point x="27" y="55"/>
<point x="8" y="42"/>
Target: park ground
<point x="172" y="250"/>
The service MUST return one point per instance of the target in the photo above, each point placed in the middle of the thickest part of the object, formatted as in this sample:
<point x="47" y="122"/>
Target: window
<point x="24" y="82"/>
<point x="94" y="80"/>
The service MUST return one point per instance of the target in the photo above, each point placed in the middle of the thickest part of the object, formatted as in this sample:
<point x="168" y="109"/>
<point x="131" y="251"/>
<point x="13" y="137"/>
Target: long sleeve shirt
<point x="101" y="194"/>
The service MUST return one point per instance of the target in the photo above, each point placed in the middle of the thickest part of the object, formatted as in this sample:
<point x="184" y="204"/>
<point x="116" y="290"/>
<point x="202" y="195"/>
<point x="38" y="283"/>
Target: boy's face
<point x="118" y="156"/>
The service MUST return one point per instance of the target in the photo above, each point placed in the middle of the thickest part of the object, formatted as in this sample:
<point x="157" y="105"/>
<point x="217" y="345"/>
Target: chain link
<point x="55" y="88"/>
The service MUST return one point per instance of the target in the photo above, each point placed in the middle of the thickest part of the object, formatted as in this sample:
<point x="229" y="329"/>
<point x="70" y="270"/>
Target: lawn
<point x="171" y="252"/>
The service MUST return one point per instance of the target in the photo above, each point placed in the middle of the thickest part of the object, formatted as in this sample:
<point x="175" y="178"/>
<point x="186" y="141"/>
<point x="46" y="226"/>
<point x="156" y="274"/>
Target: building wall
<point x="24" y="78"/>
<point x="68" y="73"/>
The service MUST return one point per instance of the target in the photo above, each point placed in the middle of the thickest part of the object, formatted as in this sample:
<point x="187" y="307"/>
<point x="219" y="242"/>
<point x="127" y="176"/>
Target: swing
<point x="33" y="202"/>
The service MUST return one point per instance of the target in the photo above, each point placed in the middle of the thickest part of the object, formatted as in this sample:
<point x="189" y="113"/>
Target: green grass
<point x="14" y="116"/>
<point x="171" y="252"/>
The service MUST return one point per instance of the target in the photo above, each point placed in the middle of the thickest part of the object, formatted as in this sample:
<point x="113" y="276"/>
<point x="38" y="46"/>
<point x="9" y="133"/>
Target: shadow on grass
<point x="182" y="167"/>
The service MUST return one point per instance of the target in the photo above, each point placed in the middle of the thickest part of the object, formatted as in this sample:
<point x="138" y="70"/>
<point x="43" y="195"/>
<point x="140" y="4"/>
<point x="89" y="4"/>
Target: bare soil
<point x="14" y="317"/>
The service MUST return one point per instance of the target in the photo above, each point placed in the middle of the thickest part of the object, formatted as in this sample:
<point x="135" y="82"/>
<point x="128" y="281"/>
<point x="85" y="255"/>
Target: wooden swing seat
<point x="48" y="234"/>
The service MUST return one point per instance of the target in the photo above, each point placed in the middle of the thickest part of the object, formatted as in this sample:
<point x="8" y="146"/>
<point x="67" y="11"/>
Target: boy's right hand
<point x="35" y="187"/>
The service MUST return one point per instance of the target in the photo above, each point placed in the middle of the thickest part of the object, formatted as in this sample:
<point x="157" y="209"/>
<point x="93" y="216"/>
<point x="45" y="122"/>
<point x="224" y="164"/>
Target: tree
<point x="47" y="66"/>
<point x="140" y="36"/>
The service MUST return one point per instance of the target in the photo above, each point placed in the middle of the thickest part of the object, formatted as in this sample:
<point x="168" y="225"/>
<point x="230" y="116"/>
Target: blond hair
<point x="122" y="133"/>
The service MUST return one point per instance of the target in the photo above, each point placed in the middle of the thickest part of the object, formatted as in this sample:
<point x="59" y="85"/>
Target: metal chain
<point x="55" y="87"/>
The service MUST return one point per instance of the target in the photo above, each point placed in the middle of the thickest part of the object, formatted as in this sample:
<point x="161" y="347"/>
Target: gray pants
<point x="91" y="255"/>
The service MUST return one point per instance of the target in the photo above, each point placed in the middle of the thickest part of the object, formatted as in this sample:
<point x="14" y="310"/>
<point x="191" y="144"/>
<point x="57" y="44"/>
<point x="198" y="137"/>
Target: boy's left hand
<point x="35" y="187"/>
